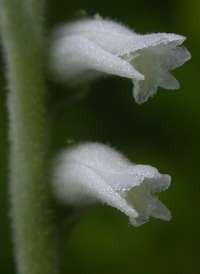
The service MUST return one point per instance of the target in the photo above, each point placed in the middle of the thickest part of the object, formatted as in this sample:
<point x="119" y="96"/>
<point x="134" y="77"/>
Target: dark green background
<point x="163" y="132"/>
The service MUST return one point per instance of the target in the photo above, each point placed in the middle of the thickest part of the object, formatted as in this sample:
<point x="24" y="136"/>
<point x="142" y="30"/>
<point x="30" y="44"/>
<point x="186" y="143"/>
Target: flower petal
<point x="176" y="57"/>
<point x="116" y="38"/>
<point x="169" y="82"/>
<point x="161" y="212"/>
<point x="79" y="186"/>
<point x="75" y="59"/>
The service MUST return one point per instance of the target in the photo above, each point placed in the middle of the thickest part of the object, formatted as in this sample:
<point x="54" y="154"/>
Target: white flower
<point x="87" y="173"/>
<point x="86" y="49"/>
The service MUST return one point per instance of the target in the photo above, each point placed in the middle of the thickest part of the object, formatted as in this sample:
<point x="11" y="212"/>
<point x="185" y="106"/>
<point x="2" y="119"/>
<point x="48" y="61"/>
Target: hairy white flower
<point x="87" y="173"/>
<point x="86" y="49"/>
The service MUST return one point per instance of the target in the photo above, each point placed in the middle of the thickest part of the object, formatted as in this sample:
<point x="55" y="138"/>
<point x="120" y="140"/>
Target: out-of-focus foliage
<point x="163" y="132"/>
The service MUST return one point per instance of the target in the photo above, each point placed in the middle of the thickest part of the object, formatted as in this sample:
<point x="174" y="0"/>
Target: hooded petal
<point x="114" y="37"/>
<point x="89" y="173"/>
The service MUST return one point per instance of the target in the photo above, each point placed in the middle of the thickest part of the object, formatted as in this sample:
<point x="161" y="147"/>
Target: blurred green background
<point x="163" y="132"/>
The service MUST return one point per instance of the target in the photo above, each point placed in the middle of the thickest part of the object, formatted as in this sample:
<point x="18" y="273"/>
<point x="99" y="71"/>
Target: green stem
<point x="23" y="40"/>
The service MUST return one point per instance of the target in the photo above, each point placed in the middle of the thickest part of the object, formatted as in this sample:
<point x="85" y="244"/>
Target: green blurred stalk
<point x="22" y="33"/>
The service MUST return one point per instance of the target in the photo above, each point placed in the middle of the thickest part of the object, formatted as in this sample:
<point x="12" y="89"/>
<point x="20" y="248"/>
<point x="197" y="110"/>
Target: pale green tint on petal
<point x="154" y="63"/>
<point x="169" y="82"/>
<point x="146" y="204"/>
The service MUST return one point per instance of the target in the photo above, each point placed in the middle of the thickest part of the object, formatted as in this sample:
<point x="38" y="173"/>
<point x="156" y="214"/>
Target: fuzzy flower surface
<point x="89" y="173"/>
<point x="86" y="49"/>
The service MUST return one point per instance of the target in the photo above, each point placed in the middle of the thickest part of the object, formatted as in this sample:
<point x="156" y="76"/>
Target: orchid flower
<point x="88" y="173"/>
<point x="86" y="49"/>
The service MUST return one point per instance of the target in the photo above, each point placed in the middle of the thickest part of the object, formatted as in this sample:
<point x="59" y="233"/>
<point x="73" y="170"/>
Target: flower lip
<point x="146" y="204"/>
<point x="92" y="172"/>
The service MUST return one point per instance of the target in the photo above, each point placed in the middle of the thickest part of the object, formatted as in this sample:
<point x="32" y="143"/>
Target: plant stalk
<point x="22" y="33"/>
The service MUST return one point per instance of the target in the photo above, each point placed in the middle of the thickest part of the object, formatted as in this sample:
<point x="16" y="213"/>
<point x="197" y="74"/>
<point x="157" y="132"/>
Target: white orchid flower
<point x="86" y="49"/>
<point x="89" y="173"/>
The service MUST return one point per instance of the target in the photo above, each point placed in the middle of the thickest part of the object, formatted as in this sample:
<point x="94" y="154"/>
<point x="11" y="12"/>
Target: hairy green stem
<point x="23" y="40"/>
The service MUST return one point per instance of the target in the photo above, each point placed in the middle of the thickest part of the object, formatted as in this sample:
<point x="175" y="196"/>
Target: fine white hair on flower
<point x="89" y="48"/>
<point x="88" y="173"/>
